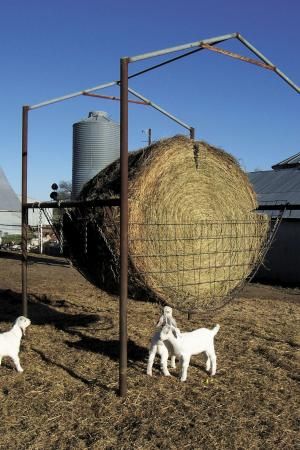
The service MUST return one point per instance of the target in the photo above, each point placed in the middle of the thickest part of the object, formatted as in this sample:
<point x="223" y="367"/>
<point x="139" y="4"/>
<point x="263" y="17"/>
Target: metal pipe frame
<point x="73" y="95"/>
<point x="113" y="97"/>
<point x="124" y="170"/>
<point x="123" y="83"/>
<point x="179" y="48"/>
<point x="268" y="62"/>
<point x="159" y="108"/>
<point x="123" y="228"/>
<point x="88" y="93"/>
<point x="237" y="56"/>
<point x="122" y="202"/>
<point x="145" y="101"/>
<point x="74" y="203"/>
<point x="24" y="218"/>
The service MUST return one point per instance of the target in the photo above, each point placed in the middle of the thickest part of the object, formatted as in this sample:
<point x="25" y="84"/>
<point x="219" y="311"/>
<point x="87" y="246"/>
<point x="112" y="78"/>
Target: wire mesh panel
<point x="190" y="266"/>
<point x="193" y="233"/>
<point x="197" y="266"/>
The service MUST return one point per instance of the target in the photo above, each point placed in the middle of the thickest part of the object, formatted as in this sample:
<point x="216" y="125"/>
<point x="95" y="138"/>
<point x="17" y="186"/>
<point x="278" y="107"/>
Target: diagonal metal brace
<point x="237" y="56"/>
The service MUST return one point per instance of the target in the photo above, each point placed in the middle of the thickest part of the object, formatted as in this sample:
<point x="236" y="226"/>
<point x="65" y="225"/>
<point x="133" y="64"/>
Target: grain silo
<point x="96" y="143"/>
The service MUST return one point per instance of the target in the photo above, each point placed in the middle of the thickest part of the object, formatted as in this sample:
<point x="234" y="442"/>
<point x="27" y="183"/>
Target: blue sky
<point x="49" y="49"/>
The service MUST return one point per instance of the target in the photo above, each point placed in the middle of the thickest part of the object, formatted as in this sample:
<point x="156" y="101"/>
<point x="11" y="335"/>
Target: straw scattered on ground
<point x="67" y="396"/>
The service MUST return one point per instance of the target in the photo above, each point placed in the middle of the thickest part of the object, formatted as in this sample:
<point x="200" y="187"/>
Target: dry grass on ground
<point x="67" y="396"/>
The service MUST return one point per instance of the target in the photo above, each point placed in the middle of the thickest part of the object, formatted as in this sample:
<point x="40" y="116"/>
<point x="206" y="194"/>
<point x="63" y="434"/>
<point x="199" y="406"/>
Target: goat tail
<point x="215" y="329"/>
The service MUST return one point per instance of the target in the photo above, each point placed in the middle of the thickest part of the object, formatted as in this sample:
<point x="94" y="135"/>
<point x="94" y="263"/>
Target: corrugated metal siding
<point x="96" y="143"/>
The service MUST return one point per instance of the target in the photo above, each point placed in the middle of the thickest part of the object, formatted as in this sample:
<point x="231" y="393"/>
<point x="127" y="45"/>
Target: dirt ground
<point x="67" y="397"/>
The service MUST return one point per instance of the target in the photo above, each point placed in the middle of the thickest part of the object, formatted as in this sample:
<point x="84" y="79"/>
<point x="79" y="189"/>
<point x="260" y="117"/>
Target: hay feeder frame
<point x="122" y="202"/>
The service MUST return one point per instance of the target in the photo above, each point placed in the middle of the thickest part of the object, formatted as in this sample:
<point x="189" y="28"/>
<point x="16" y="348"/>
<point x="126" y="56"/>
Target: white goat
<point x="160" y="347"/>
<point x="185" y="345"/>
<point x="10" y="341"/>
<point x="166" y="318"/>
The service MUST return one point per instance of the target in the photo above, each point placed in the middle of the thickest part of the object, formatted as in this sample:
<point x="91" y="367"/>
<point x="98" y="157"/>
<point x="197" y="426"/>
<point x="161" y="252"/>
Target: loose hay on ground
<point x="67" y="396"/>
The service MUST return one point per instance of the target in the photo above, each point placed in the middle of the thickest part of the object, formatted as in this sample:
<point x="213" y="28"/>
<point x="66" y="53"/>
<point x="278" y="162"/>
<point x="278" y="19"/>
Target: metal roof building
<point x="8" y="198"/>
<point x="292" y="161"/>
<point x="278" y="186"/>
<point x="281" y="185"/>
<point x="10" y="209"/>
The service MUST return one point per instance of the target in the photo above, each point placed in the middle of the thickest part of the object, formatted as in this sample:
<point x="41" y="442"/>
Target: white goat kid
<point x="166" y="318"/>
<point x="185" y="345"/>
<point x="10" y="341"/>
<point x="163" y="349"/>
<point x="160" y="347"/>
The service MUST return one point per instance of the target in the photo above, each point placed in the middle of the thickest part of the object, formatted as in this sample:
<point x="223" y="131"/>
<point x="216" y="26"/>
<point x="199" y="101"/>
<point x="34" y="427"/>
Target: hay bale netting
<point x="193" y="235"/>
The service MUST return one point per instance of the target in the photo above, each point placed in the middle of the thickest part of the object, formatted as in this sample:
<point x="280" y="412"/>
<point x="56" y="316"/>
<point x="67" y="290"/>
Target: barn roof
<point x="278" y="186"/>
<point x="8" y="198"/>
<point x="292" y="161"/>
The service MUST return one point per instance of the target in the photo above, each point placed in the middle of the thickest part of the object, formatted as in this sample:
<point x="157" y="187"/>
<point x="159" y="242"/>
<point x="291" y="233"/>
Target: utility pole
<point x="149" y="135"/>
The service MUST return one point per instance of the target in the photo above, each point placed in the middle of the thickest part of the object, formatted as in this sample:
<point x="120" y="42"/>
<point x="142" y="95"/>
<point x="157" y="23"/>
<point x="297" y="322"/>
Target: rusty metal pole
<point x="123" y="228"/>
<point x="24" y="209"/>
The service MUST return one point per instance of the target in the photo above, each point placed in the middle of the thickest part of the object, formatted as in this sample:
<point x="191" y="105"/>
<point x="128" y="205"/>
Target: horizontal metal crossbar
<point x="74" y="203"/>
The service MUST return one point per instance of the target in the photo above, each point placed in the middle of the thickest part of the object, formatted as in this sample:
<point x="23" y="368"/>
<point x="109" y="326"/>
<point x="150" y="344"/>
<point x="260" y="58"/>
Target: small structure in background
<point x="281" y="185"/>
<point x="10" y="219"/>
<point x="10" y="208"/>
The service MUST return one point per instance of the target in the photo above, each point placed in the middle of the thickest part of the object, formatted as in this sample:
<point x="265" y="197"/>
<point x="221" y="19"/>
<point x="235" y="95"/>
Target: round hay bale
<point x="193" y="234"/>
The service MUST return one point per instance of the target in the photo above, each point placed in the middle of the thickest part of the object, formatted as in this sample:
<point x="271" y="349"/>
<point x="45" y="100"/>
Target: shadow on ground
<point x="43" y="311"/>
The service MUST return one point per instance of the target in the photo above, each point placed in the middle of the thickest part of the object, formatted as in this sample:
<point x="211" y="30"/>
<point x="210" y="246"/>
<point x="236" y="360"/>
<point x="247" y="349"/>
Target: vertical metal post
<point x="123" y="227"/>
<point x="61" y="237"/>
<point x="41" y="231"/>
<point x="192" y="133"/>
<point x="24" y="209"/>
<point x="149" y="136"/>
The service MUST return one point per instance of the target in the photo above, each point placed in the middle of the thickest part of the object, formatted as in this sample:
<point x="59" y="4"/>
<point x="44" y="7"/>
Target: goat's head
<point x="168" y="311"/>
<point x="167" y="330"/>
<point x="22" y="322"/>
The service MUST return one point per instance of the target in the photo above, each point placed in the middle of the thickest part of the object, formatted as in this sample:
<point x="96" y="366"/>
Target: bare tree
<point x="64" y="190"/>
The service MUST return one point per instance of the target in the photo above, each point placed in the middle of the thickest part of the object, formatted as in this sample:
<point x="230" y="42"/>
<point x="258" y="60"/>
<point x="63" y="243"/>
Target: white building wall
<point x="10" y="221"/>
